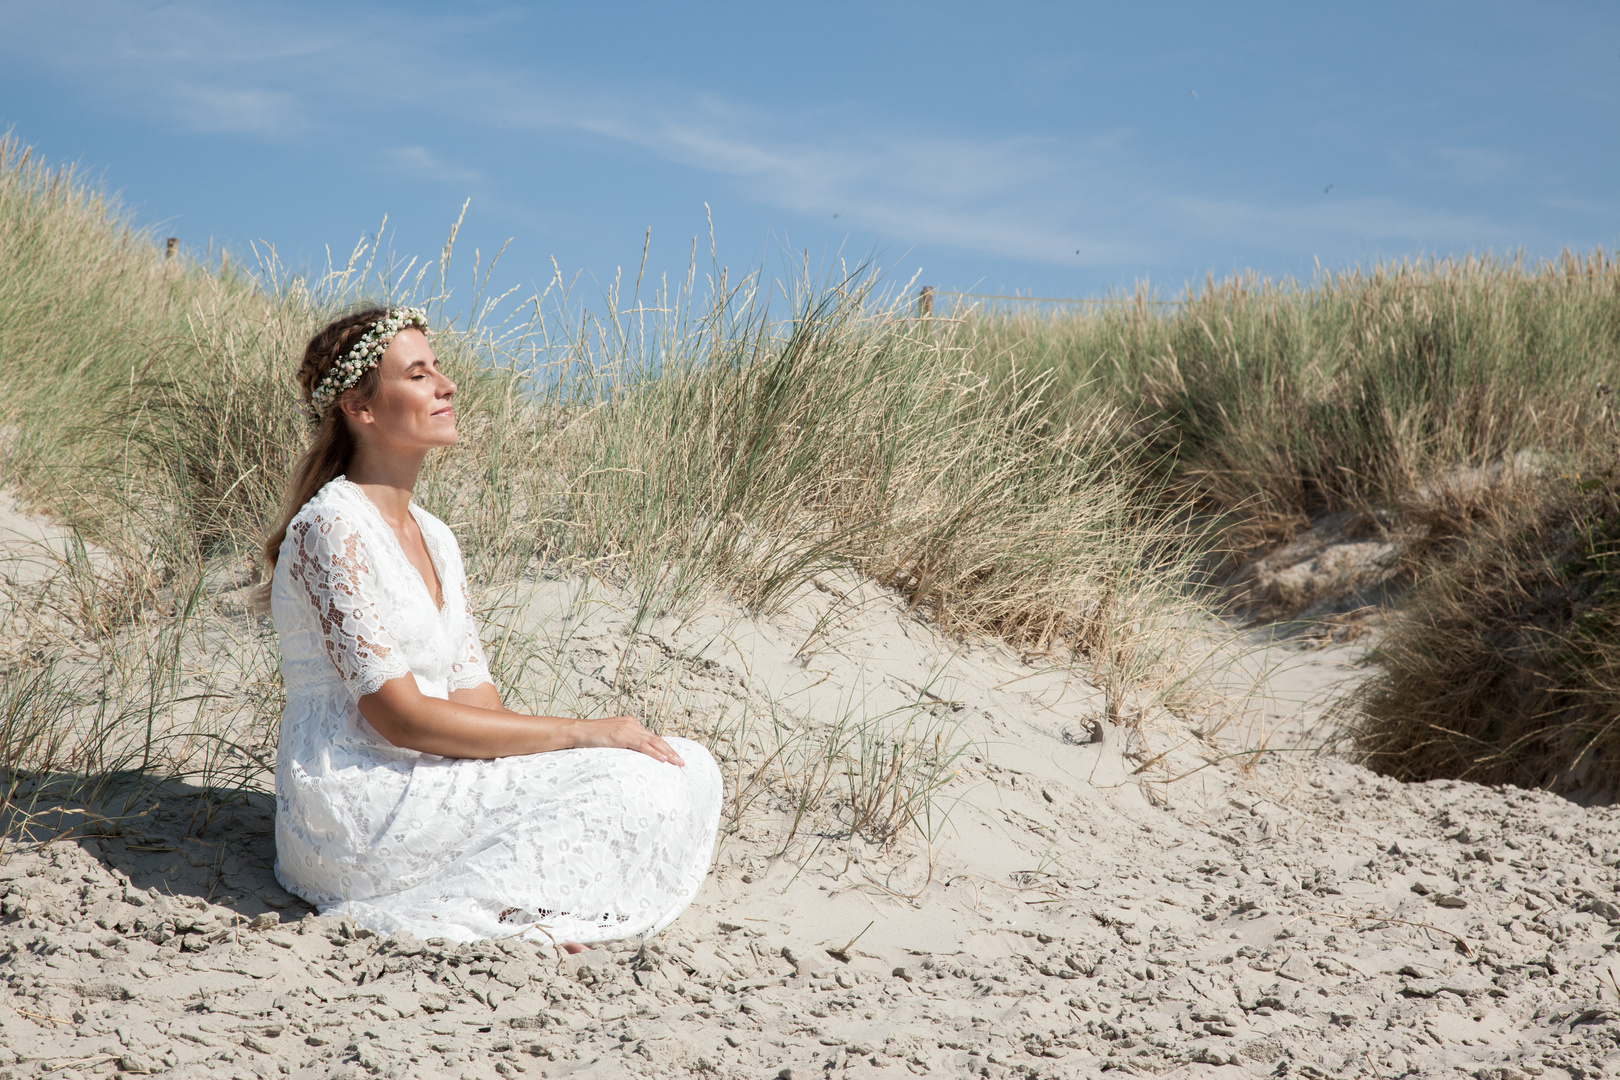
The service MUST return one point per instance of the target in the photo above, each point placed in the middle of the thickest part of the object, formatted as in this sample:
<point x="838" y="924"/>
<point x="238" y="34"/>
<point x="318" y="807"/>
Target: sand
<point x="1214" y="914"/>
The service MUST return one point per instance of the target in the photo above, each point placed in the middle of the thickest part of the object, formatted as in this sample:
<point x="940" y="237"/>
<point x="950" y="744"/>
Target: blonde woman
<point x="408" y="797"/>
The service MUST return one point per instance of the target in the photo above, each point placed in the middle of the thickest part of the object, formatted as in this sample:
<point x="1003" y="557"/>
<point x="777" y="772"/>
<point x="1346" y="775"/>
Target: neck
<point x="387" y="479"/>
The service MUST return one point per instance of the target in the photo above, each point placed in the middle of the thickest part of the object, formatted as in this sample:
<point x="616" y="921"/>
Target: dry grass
<point x="1435" y="404"/>
<point x="678" y="446"/>
<point x="1505" y="665"/>
<point x="855" y="436"/>
<point x="1266" y="404"/>
<point x="1009" y="474"/>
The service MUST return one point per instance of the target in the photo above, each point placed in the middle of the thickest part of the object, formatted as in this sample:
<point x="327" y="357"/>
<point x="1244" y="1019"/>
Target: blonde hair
<point x="332" y="445"/>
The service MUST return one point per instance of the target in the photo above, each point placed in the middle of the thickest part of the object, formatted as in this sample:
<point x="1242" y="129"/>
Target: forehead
<point x="409" y="346"/>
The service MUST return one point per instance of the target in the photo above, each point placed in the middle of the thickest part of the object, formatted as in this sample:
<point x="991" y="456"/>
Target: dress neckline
<point x="439" y="607"/>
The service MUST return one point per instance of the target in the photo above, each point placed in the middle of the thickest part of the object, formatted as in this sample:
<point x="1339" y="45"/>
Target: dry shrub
<point x="1505" y="665"/>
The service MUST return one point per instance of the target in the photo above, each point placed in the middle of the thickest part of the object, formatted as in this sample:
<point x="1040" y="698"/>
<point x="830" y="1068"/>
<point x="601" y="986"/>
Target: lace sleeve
<point x="469" y="668"/>
<point x="331" y="567"/>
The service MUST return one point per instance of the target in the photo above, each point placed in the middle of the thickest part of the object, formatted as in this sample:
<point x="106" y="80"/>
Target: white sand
<point x="1289" y="914"/>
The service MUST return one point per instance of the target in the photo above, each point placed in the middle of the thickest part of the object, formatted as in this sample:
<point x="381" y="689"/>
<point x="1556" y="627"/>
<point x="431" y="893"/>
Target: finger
<point x="670" y="755"/>
<point x="655" y="748"/>
<point x="652" y="751"/>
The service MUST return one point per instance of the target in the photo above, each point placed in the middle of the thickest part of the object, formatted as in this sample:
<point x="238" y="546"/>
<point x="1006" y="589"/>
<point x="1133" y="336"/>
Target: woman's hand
<point x="624" y="732"/>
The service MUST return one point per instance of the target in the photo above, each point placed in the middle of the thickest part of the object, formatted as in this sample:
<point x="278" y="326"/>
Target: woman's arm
<point x="482" y="696"/>
<point x="477" y="726"/>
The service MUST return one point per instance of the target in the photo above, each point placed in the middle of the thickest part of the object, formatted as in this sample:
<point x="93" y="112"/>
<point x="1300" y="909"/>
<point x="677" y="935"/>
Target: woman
<point x="408" y="796"/>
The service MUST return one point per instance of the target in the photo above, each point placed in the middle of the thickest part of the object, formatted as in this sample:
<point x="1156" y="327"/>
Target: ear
<point x="359" y="414"/>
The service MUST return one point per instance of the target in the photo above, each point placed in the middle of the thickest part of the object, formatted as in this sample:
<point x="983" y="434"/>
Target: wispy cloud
<point x="1606" y="211"/>
<point x="1306" y="225"/>
<point x="421" y="162"/>
<point x="212" y="108"/>
<point x="1476" y="164"/>
<point x="993" y="195"/>
<point x="192" y="68"/>
<point x="204" y="68"/>
<point x="1095" y="200"/>
<point x="988" y="195"/>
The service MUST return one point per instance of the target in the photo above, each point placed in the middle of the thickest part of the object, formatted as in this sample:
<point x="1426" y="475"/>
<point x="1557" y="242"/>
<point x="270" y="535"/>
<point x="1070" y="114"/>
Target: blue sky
<point x="1052" y="149"/>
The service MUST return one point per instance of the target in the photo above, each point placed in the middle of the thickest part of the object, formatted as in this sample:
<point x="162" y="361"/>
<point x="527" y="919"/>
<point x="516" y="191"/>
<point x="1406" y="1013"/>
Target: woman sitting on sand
<point x="408" y="796"/>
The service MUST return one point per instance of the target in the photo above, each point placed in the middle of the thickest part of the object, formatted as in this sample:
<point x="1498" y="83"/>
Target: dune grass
<point x="693" y="441"/>
<point x="1504" y="666"/>
<point x="1053" y="480"/>
<point x="1446" y="403"/>
<point x="1268" y="403"/>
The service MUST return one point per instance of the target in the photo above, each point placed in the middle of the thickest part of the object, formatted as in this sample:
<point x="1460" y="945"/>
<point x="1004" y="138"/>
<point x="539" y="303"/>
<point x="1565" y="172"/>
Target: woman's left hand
<point x="627" y="733"/>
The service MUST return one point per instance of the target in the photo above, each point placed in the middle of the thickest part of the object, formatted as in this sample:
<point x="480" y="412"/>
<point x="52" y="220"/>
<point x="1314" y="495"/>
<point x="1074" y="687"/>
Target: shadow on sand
<point x="215" y="845"/>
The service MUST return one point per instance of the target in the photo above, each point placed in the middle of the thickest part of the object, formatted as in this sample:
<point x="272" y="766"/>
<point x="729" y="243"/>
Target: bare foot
<point x="573" y="947"/>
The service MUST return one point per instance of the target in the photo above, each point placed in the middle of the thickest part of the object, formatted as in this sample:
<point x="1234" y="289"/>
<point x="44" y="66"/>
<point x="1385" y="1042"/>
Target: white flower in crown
<point x="365" y="355"/>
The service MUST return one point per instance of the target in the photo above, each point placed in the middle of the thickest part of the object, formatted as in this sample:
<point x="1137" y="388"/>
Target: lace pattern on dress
<point x="469" y="669"/>
<point x="331" y="565"/>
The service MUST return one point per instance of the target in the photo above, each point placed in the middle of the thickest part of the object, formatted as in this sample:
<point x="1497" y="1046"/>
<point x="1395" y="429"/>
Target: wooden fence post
<point x="925" y="301"/>
<point x="170" y="248"/>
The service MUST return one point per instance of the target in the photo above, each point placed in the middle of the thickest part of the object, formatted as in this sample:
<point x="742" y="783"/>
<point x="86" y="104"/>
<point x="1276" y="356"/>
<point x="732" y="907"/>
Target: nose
<point x="448" y="388"/>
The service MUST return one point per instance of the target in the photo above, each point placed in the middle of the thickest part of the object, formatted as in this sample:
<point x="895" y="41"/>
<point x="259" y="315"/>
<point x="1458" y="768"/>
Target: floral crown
<point x="365" y="355"/>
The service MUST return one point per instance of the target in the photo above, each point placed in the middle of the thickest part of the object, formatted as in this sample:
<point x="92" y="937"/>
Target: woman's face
<point x="411" y="409"/>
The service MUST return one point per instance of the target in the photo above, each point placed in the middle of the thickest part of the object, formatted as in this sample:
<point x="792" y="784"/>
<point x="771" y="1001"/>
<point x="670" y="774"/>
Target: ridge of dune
<point x="1070" y="912"/>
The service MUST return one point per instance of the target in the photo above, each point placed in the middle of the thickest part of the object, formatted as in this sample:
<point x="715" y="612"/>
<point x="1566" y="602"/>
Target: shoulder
<point x="333" y="507"/>
<point x="334" y="499"/>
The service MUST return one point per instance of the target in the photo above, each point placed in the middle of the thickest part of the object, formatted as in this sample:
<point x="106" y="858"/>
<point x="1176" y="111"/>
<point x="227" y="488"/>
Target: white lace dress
<point x="581" y="845"/>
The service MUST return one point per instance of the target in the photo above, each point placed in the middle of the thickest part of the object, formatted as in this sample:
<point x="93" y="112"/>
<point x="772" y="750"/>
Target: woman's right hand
<point x="624" y="732"/>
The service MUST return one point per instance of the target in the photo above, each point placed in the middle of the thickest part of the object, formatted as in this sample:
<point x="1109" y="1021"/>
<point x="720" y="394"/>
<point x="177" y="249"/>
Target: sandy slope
<point x="1289" y="914"/>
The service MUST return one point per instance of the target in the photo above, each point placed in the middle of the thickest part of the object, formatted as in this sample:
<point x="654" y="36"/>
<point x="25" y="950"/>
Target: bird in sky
<point x="1327" y="189"/>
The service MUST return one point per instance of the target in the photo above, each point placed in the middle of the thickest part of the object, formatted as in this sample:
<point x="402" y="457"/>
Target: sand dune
<point x="1070" y="913"/>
